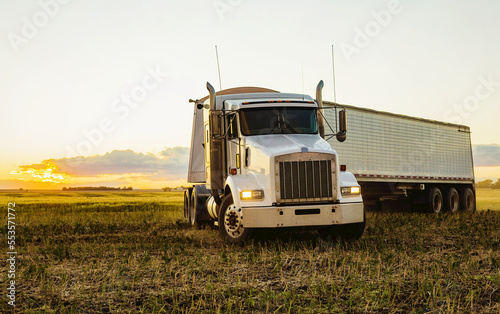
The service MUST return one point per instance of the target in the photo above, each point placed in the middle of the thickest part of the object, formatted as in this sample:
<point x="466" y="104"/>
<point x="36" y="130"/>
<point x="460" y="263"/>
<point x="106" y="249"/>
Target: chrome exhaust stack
<point x="211" y="91"/>
<point x="319" y="100"/>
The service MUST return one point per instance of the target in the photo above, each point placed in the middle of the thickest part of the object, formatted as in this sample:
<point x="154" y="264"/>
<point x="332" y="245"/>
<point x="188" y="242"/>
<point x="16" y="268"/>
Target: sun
<point x="48" y="174"/>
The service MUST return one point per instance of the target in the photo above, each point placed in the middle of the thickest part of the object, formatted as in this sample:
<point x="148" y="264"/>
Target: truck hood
<point x="279" y="144"/>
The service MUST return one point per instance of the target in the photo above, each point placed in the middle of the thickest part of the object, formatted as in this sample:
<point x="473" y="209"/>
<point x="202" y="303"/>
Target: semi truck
<point x="260" y="159"/>
<point x="428" y="163"/>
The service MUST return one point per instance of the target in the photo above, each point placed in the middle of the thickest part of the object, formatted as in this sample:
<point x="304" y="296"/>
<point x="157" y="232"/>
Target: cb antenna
<point x="334" y="91"/>
<point x="333" y="73"/>
<point x="218" y="66"/>
<point x="302" y="70"/>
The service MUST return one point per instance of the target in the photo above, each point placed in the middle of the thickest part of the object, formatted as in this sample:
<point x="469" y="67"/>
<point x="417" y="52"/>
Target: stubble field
<point x="131" y="252"/>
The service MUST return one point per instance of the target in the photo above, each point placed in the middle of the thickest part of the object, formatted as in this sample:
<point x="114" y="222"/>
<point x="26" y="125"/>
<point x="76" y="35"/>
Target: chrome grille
<point x="305" y="180"/>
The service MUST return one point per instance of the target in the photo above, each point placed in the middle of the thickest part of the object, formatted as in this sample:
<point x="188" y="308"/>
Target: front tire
<point x="347" y="232"/>
<point x="231" y="227"/>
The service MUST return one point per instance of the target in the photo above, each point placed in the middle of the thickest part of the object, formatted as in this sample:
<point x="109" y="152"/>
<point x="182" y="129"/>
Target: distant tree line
<point x="178" y="188"/>
<point x="97" y="188"/>
<point x="488" y="184"/>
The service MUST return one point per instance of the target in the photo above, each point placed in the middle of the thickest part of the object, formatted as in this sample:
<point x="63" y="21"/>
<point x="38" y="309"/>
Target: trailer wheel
<point x="186" y="205"/>
<point x="435" y="200"/>
<point x="452" y="200"/>
<point x="468" y="202"/>
<point x="230" y="218"/>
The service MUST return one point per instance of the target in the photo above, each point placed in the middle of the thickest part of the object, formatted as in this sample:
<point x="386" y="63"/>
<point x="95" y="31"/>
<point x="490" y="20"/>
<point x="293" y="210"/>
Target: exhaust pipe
<point x="319" y="100"/>
<point x="217" y="161"/>
<point x="211" y="91"/>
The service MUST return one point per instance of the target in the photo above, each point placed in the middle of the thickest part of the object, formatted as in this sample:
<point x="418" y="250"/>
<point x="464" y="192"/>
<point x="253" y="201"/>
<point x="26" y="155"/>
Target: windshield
<point x="278" y="120"/>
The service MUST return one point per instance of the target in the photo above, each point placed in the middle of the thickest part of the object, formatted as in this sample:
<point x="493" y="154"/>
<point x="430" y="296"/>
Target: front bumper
<point x="302" y="215"/>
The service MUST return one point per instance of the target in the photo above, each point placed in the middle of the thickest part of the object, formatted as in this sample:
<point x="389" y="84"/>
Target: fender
<point x="348" y="179"/>
<point x="244" y="182"/>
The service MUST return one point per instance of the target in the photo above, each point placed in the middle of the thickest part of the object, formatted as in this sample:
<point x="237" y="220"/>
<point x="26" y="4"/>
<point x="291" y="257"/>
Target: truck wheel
<point x="468" y="202"/>
<point x="452" y="200"/>
<point x="193" y="210"/>
<point x="230" y="219"/>
<point x="352" y="232"/>
<point x="348" y="232"/>
<point x="186" y="205"/>
<point x="435" y="200"/>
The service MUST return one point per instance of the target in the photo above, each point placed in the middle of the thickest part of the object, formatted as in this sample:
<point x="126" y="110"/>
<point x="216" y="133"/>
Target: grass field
<point x="131" y="252"/>
<point x="488" y="199"/>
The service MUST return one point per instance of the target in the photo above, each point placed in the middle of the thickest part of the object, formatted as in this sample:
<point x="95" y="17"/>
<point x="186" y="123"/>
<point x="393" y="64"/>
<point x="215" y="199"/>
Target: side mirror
<point x="341" y="135"/>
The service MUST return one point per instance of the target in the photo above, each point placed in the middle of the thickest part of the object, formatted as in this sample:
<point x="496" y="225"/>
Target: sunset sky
<point x="96" y="92"/>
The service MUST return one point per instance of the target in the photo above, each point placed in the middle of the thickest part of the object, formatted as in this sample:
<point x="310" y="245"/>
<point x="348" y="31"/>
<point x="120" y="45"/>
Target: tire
<point x="348" y="232"/>
<point x="230" y="220"/>
<point x="435" y="200"/>
<point x="186" y="205"/>
<point x="193" y="210"/>
<point x="467" y="200"/>
<point x="354" y="231"/>
<point x="452" y="201"/>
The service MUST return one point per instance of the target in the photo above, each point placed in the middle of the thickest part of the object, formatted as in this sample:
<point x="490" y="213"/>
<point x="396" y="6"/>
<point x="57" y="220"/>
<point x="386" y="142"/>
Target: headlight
<point x="350" y="190"/>
<point x="249" y="195"/>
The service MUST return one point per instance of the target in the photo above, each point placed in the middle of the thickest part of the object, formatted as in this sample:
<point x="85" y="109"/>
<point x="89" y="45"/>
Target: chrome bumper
<point x="302" y="215"/>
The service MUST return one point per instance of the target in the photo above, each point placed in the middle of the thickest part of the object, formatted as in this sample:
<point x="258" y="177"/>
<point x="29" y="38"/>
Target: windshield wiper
<point x="285" y="125"/>
<point x="277" y="124"/>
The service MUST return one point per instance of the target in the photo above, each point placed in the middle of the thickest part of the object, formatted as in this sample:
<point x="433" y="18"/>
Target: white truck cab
<point x="259" y="160"/>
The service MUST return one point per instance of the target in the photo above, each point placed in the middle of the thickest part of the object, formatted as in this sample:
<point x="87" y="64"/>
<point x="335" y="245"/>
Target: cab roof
<point x="239" y="97"/>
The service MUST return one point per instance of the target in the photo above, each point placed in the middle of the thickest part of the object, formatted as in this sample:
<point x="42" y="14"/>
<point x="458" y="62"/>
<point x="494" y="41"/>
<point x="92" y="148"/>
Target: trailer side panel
<point x="387" y="147"/>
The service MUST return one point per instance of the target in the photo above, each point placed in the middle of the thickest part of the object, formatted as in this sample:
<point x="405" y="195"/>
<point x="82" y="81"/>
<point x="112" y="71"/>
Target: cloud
<point x="176" y="154"/>
<point x="31" y="184"/>
<point x="169" y="164"/>
<point x="486" y="155"/>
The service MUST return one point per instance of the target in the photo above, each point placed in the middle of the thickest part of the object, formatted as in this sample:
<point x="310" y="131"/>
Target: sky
<point x="96" y="92"/>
